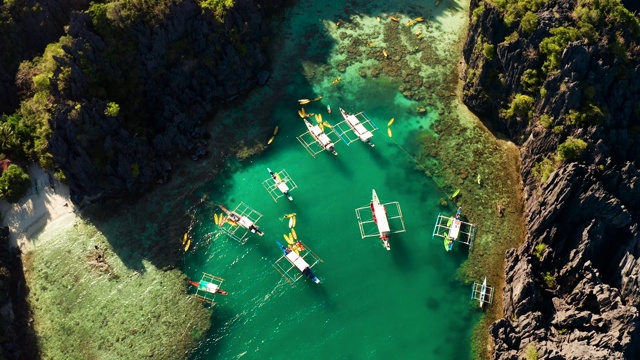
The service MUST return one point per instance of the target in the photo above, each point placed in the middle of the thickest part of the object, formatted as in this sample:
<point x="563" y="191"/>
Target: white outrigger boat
<point x="482" y="292"/>
<point x="315" y="140"/>
<point x="242" y="219"/>
<point x="296" y="255"/>
<point x="322" y="138"/>
<point x="356" y="127"/>
<point x="208" y="287"/>
<point x="453" y="229"/>
<point x="381" y="219"/>
<point x="280" y="184"/>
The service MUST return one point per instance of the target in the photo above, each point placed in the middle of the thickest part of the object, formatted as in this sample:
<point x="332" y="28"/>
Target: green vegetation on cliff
<point x="14" y="183"/>
<point x="218" y="7"/>
<point x="515" y="10"/>
<point x="26" y="133"/>
<point x="571" y="149"/>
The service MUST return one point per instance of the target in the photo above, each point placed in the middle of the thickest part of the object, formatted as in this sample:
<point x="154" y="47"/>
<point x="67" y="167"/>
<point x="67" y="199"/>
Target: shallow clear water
<point x="371" y="303"/>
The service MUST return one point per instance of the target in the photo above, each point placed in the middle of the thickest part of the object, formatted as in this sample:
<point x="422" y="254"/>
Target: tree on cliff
<point x="14" y="184"/>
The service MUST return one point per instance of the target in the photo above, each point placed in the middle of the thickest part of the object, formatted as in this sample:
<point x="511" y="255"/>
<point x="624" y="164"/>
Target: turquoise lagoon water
<point x="371" y="303"/>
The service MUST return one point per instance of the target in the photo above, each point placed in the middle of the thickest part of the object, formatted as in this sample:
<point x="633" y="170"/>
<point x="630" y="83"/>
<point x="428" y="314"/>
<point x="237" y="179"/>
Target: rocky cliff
<point x="26" y="28"/>
<point x="133" y="87"/>
<point x="547" y="73"/>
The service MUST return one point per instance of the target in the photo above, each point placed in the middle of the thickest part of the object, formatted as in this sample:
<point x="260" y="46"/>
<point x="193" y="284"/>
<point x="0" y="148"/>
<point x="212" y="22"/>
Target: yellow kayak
<point x="326" y="124"/>
<point x="391" y="121"/>
<point x="293" y="233"/>
<point x="216" y="218"/>
<point x="294" y="221"/>
<point x="184" y="238"/>
<point x="288" y="239"/>
<point x="275" y="131"/>
<point x="389" y="133"/>
<point x="270" y="140"/>
<point x="186" y="247"/>
<point x="289" y="215"/>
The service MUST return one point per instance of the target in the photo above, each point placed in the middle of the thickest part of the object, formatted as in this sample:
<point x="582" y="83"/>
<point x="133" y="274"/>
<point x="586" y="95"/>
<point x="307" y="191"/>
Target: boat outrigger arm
<point x="208" y="287"/>
<point x="453" y="229"/>
<point x="241" y="218"/>
<point x="482" y="292"/>
<point x="297" y="258"/>
<point x="381" y="219"/>
<point x="280" y="184"/>
<point x="356" y="127"/>
<point x="319" y="140"/>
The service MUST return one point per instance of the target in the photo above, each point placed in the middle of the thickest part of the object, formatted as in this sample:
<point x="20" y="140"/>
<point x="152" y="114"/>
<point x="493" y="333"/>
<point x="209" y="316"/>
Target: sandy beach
<point x="46" y="204"/>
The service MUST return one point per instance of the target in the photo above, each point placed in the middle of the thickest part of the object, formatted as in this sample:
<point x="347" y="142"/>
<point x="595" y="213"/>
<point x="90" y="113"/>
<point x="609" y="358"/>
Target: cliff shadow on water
<point x="19" y="340"/>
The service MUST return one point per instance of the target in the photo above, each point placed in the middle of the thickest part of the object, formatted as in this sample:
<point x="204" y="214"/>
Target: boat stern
<point x="386" y="245"/>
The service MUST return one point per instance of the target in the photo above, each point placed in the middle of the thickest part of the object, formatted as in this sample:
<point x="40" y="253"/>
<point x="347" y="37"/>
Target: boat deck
<point x="239" y="231"/>
<point x="315" y="140"/>
<point x="449" y="227"/>
<point x="291" y="265"/>
<point x="207" y="292"/>
<point x="391" y="212"/>
<point x="277" y="189"/>
<point x="355" y="127"/>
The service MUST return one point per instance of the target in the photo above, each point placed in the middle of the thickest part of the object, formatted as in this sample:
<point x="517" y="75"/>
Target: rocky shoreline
<point x="571" y="288"/>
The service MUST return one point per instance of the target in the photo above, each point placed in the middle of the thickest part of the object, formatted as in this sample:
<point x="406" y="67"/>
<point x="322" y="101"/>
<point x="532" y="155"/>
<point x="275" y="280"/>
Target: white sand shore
<point x="46" y="204"/>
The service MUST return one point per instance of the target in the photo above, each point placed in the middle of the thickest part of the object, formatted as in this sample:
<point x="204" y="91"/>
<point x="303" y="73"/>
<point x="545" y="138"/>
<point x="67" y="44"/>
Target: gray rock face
<point x="168" y="76"/>
<point x="572" y="288"/>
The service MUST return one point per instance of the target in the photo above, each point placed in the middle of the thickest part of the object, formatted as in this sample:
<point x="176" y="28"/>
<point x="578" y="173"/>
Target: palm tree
<point x="8" y="141"/>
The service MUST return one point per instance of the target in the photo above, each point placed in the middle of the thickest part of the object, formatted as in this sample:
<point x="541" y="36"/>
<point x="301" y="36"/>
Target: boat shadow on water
<point x="339" y="163"/>
<point x="380" y="160"/>
<point x="400" y="254"/>
<point x="321" y="294"/>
